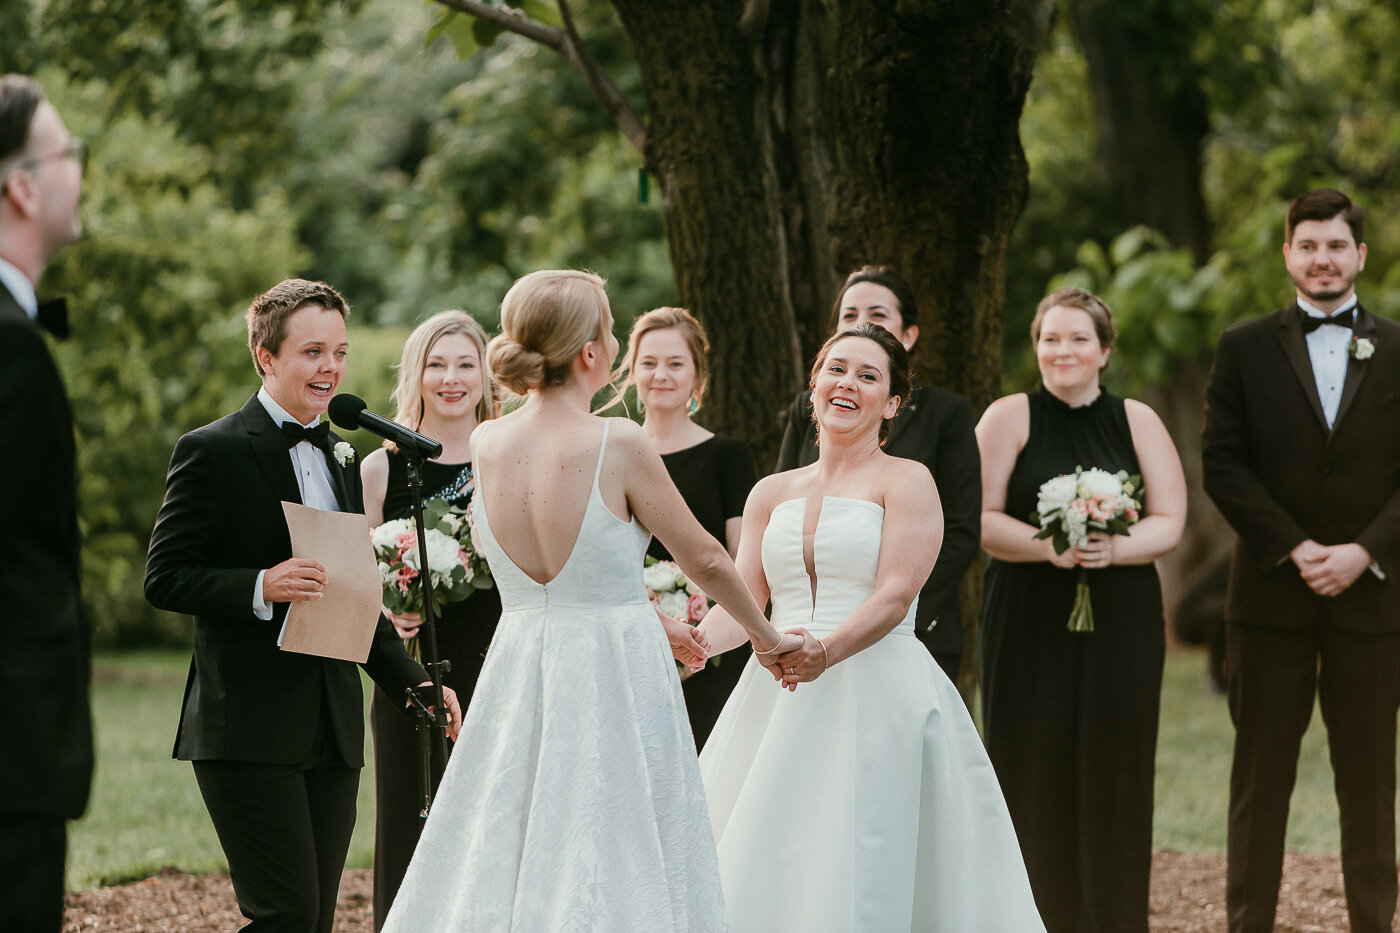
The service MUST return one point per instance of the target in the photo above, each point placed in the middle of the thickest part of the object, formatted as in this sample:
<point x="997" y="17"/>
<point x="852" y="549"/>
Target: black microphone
<point x="350" y="412"/>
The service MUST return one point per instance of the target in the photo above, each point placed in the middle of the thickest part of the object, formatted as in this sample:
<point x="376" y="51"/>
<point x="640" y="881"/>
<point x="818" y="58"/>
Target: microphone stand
<point x="431" y="726"/>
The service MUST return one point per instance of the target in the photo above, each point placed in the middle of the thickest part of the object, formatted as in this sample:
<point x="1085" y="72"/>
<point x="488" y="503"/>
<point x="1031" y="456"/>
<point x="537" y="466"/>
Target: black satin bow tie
<point x="53" y="317"/>
<point x="319" y="436"/>
<point x="1344" y="319"/>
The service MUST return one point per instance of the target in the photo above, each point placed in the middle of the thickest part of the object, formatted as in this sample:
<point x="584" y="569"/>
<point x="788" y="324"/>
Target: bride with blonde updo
<point x="576" y="802"/>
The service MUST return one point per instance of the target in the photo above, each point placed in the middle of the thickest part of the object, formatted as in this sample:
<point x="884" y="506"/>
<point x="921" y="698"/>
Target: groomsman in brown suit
<point x="1302" y="455"/>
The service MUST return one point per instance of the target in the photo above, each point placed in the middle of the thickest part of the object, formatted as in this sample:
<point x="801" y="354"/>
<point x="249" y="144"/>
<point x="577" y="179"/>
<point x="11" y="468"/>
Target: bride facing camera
<point x="863" y="791"/>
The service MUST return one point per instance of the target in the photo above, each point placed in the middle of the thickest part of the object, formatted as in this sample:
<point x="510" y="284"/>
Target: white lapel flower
<point x="1361" y="348"/>
<point x="344" y="453"/>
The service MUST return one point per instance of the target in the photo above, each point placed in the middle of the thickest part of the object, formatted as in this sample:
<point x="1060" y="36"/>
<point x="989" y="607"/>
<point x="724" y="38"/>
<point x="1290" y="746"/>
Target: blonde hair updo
<point x="546" y="318"/>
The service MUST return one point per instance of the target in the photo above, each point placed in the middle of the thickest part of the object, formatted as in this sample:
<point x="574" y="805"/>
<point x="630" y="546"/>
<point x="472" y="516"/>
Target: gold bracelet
<point x="772" y="649"/>
<point x="826" y="658"/>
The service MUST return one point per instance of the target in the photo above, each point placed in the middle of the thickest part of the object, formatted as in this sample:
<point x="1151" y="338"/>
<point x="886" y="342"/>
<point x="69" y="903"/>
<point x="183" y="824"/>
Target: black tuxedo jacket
<point x="936" y="429"/>
<point x="221" y="523"/>
<point x="1280" y="476"/>
<point x="46" y="763"/>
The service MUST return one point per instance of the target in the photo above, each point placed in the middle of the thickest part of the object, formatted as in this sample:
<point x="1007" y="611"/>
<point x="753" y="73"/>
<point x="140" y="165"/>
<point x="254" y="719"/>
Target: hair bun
<point x="514" y="366"/>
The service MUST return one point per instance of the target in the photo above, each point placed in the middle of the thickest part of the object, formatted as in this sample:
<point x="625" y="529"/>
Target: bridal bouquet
<point x="676" y="595"/>
<point x="672" y="592"/>
<point x="456" y="569"/>
<point x="1071" y="506"/>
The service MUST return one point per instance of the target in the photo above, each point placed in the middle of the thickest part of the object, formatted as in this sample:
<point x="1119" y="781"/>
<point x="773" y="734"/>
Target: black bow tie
<point x="1344" y="319"/>
<point x="53" y="317"/>
<point x="319" y="436"/>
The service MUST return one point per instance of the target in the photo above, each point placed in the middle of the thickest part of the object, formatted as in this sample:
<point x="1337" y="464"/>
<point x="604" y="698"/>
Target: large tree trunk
<point x="1149" y="112"/>
<point x="927" y="98"/>
<point x="790" y="40"/>
<point x="708" y="109"/>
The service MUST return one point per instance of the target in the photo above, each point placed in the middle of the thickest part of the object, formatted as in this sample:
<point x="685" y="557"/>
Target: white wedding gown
<point x="863" y="802"/>
<point x="572" y="801"/>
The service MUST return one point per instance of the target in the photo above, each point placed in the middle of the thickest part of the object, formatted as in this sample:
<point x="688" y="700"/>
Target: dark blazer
<point x="1280" y="476"/>
<point x="46" y="765"/>
<point x="222" y="522"/>
<point x="936" y="429"/>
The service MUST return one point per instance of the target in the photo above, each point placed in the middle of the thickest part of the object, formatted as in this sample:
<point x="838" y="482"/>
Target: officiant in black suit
<point x="1302" y="456"/>
<point x="934" y="428"/>
<point x="276" y="737"/>
<point x="46" y="762"/>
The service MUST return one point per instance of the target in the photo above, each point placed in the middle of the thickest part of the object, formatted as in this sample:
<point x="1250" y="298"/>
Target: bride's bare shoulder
<point x="776" y="488"/>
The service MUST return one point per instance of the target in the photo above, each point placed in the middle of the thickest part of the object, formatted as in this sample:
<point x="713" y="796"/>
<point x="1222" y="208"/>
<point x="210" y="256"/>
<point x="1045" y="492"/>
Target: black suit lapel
<point x="270" y="451"/>
<point x="342" y="488"/>
<point x="1356" y="369"/>
<point x="1295" y="347"/>
<point x="904" y="418"/>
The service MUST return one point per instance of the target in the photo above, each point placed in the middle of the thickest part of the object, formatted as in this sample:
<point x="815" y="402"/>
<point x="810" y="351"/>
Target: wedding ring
<point x="792" y="670"/>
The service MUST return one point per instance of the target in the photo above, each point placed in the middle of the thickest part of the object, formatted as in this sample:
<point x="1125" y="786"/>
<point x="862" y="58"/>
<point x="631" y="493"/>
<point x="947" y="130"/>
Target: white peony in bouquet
<point x="456" y="569"/>
<point x="1072" y="506"/>
<point x="672" y="592"/>
<point x="676" y="595"/>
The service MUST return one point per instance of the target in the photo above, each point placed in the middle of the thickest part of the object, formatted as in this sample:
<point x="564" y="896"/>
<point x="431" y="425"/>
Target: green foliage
<point x="425" y="182"/>
<point x="1301" y="95"/>
<point x="157" y="289"/>
<point x="223" y="74"/>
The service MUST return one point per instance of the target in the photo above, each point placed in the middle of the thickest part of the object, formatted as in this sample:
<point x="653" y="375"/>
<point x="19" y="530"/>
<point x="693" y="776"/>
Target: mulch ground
<point x="1188" y="896"/>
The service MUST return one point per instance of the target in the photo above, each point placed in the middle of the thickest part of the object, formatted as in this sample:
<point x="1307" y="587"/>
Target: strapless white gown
<point x="573" y="800"/>
<point x="864" y="802"/>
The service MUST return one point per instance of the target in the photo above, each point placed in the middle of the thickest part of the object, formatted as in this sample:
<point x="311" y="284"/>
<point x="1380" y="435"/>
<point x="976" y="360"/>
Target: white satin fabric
<point x="573" y="800"/>
<point x="864" y="802"/>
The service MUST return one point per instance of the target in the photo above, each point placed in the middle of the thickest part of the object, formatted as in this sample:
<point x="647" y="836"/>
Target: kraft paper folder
<point x="341" y="623"/>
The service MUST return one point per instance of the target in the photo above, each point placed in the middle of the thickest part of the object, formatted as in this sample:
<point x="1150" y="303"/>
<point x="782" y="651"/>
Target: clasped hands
<point x="1093" y="553"/>
<point x="798" y="657"/>
<point x="1330" y="569"/>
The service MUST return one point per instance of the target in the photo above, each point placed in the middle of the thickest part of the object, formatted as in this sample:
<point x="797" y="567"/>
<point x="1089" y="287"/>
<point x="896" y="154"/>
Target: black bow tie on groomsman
<point x="53" y="317"/>
<point x="1343" y="319"/>
<point x="319" y="436"/>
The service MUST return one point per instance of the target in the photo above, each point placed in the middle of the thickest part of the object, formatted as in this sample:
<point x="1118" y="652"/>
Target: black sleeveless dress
<point x="463" y="633"/>
<point x="714" y="478"/>
<point x="1070" y="718"/>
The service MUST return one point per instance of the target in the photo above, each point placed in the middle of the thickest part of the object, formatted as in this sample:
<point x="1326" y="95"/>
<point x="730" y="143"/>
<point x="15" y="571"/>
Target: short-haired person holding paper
<point x="276" y="737"/>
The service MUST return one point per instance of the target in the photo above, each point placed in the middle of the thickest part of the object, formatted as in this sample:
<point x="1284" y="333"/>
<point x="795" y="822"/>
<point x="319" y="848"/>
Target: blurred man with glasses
<point x="45" y="726"/>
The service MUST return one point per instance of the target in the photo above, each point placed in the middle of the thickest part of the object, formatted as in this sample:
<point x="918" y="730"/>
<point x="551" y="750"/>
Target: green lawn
<point x="146" y="813"/>
<point x="1193" y="771"/>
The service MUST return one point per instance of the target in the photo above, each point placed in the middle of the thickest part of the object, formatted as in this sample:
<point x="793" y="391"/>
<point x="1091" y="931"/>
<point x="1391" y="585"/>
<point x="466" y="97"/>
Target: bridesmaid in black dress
<point x="443" y="391"/>
<point x="1070" y="718"/>
<point x="666" y="356"/>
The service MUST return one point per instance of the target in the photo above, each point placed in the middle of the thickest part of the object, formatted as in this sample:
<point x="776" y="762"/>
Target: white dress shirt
<point x="18" y="284"/>
<point x="1327" y="350"/>
<point x="313" y="479"/>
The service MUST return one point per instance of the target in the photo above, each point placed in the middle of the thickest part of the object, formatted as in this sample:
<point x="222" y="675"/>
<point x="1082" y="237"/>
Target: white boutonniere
<point x="1361" y="348"/>
<point x="344" y="453"/>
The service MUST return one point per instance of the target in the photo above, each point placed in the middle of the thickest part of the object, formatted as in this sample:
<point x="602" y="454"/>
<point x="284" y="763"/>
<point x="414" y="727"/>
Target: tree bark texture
<point x="1150" y="114"/>
<point x="707" y="128"/>
<point x="926" y="102"/>
<point x="926" y="106"/>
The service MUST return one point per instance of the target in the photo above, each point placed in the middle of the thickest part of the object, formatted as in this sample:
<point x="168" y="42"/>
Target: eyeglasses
<point x="76" y="150"/>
